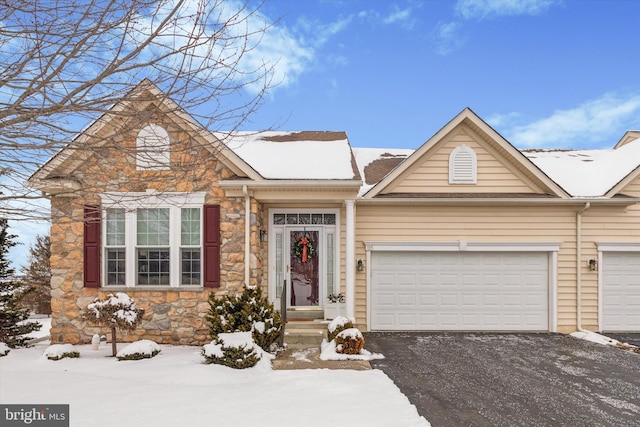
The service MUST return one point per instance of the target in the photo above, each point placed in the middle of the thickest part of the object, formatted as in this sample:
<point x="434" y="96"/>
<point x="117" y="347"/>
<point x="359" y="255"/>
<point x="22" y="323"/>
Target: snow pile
<point x="177" y="389"/>
<point x="330" y="350"/>
<point x="60" y="351"/>
<point x="596" y="338"/>
<point x="4" y="349"/>
<point x="143" y="349"/>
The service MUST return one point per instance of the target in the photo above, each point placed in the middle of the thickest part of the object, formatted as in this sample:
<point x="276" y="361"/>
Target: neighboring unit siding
<point x="602" y="224"/>
<point x="431" y="173"/>
<point x="501" y="224"/>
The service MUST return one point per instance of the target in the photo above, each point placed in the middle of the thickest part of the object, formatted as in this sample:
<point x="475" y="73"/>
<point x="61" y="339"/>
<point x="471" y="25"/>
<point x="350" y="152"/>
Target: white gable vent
<point x="463" y="164"/>
<point x="153" y="148"/>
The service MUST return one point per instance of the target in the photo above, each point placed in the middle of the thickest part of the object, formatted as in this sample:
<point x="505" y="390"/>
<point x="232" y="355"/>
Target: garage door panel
<point x="461" y="291"/>
<point x="621" y="291"/>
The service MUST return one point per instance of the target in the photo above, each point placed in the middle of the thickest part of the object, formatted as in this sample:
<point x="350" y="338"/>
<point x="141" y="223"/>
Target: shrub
<point x="249" y="311"/>
<point x="143" y="349"/>
<point x="60" y="351"/>
<point x="117" y="311"/>
<point x="338" y="325"/>
<point x="4" y="349"/>
<point x="235" y="350"/>
<point x="349" y="341"/>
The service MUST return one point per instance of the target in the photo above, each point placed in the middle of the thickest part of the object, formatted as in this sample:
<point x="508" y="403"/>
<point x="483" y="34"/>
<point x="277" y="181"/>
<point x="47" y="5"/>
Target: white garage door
<point x="463" y="291"/>
<point x="621" y="291"/>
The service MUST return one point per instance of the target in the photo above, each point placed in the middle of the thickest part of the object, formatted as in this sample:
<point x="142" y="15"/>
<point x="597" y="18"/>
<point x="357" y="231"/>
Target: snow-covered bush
<point x="236" y="350"/>
<point x="338" y="325"/>
<point x="143" y="349"/>
<point x="248" y="312"/>
<point x="117" y="311"/>
<point x="60" y="351"/>
<point x="4" y="349"/>
<point x="349" y="341"/>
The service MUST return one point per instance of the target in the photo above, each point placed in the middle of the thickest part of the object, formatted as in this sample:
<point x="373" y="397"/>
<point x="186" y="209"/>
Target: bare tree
<point x="66" y="62"/>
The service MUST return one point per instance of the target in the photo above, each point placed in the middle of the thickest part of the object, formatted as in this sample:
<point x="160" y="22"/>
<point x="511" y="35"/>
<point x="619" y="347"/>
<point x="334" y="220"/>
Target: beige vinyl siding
<point x="431" y="174"/>
<point x="606" y="225"/>
<point x="503" y="224"/>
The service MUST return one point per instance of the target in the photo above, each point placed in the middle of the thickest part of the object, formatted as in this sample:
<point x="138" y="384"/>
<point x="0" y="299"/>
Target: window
<point x="153" y="148"/>
<point x="155" y="241"/>
<point x="463" y="166"/>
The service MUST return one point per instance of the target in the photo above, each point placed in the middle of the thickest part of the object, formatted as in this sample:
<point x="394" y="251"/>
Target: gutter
<point x="579" y="267"/>
<point x="507" y="200"/>
<point x="247" y="235"/>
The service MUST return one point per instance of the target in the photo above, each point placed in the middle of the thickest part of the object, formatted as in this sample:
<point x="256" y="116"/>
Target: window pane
<point x="153" y="227"/>
<point x="316" y="218"/>
<point x="190" y="227"/>
<point x="153" y="266"/>
<point x="116" y="267"/>
<point x="279" y="277"/>
<point x="292" y="218"/>
<point x="330" y="264"/>
<point x="278" y="219"/>
<point x="190" y="266"/>
<point x="115" y="227"/>
<point x="304" y="219"/>
<point x="330" y="219"/>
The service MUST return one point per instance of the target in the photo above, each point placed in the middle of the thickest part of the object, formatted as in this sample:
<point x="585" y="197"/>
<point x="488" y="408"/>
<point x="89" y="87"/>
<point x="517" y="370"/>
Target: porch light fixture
<point x="593" y="264"/>
<point x="360" y="265"/>
<point x="263" y="236"/>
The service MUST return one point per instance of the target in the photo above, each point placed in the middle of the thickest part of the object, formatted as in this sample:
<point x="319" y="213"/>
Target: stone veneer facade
<point x="172" y="315"/>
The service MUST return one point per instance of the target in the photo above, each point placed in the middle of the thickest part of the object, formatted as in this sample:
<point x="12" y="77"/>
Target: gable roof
<point x="467" y="116"/>
<point x="306" y="155"/>
<point x="67" y="159"/>
<point x="591" y="173"/>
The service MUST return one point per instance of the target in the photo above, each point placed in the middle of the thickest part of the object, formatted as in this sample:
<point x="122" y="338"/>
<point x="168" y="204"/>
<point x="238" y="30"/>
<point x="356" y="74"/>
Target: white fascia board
<point x="488" y="200"/>
<point x="463" y="246"/>
<point x="617" y="247"/>
<point x="296" y="183"/>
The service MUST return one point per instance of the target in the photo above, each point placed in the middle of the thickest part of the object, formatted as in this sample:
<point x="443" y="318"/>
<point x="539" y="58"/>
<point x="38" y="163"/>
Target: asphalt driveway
<point x="457" y="379"/>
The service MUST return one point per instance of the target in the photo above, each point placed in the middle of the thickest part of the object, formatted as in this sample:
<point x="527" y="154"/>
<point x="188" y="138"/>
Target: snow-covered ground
<point x="176" y="389"/>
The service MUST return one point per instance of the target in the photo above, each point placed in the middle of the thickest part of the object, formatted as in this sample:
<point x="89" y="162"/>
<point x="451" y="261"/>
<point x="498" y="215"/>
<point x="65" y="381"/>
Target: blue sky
<point x="543" y="73"/>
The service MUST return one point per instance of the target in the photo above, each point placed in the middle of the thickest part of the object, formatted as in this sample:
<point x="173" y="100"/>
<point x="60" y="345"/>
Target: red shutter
<point x="92" y="246"/>
<point x="212" y="246"/>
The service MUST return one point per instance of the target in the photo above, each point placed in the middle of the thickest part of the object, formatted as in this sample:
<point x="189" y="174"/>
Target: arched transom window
<point x="152" y="148"/>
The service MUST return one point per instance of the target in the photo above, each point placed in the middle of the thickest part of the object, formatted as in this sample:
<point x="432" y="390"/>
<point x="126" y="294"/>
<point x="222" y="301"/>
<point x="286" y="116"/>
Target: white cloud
<point x="446" y="37"/>
<point x="482" y="9"/>
<point x="404" y="17"/>
<point x="598" y="122"/>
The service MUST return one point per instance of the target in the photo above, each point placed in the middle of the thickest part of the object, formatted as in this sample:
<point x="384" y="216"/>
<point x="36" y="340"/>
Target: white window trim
<point x="130" y="202"/>
<point x="454" y="177"/>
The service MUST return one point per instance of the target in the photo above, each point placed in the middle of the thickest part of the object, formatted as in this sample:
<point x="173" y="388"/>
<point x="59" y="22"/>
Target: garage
<point x="459" y="291"/>
<point x="621" y="291"/>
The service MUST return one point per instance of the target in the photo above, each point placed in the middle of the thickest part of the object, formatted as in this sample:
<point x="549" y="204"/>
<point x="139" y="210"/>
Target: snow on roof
<point x="375" y="163"/>
<point x="294" y="155"/>
<point x="587" y="173"/>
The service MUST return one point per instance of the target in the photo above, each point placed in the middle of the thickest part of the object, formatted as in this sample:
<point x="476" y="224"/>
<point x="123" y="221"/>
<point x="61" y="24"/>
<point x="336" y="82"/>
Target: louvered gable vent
<point x="463" y="166"/>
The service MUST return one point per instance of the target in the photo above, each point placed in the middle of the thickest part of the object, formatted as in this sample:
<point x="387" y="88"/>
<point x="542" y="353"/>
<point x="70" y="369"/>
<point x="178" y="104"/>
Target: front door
<point x="303" y="267"/>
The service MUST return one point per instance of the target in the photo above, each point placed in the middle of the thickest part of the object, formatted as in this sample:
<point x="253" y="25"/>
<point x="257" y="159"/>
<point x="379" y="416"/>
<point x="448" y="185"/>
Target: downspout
<point x="579" y="266"/>
<point x="350" y="266"/>
<point x="247" y="235"/>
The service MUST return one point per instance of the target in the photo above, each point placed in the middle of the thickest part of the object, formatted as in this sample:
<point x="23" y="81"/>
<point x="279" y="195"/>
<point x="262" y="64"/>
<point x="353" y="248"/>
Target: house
<point x="465" y="233"/>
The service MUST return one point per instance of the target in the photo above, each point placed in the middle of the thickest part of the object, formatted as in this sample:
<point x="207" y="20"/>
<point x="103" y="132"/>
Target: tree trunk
<point x="114" y="347"/>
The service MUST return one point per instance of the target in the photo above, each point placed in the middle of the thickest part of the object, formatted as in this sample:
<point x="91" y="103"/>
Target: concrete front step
<point x="305" y="334"/>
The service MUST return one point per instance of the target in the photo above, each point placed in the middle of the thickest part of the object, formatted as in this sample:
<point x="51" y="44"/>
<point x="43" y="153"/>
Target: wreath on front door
<point x="304" y="249"/>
